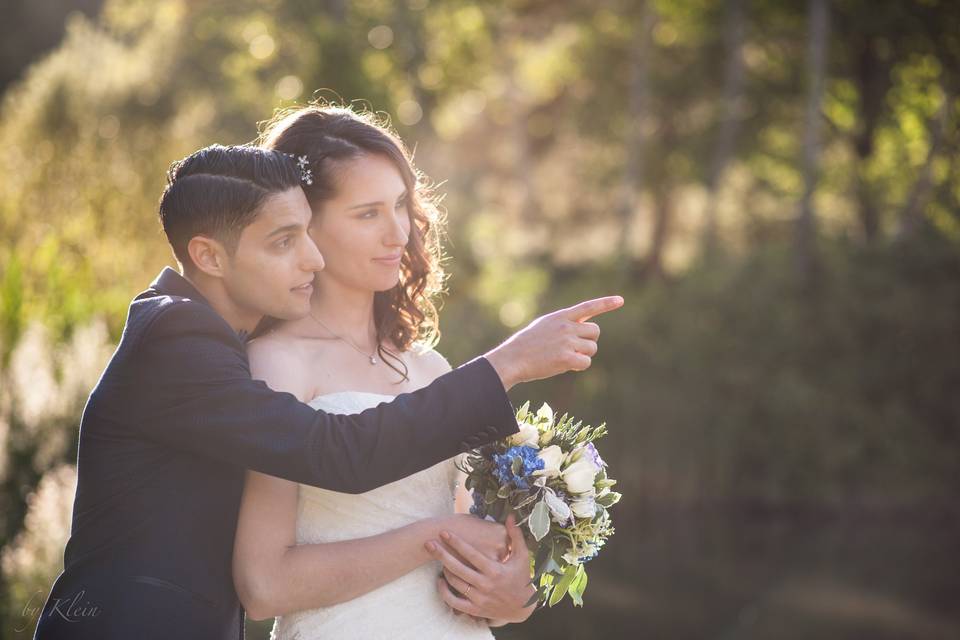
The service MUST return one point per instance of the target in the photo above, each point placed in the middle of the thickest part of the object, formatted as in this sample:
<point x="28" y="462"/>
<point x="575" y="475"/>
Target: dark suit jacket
<point x="165" y="438"/>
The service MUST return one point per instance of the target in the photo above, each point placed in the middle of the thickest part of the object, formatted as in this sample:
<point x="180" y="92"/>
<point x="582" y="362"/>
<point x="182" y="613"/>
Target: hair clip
<point x="306" y="174"/>
<point x="303" y="163"/>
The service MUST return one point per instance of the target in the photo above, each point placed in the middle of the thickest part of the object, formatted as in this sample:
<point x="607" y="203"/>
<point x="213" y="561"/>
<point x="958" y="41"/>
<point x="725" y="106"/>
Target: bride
<point x="333" y="565"/>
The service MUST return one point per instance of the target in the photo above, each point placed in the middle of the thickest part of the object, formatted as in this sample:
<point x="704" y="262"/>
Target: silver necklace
<point x="370" y="356"/>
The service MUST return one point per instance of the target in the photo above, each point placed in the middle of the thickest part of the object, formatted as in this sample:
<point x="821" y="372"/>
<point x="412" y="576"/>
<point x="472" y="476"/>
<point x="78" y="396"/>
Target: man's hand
<point x="552" y="344"/>
<point x="491" y="589"/>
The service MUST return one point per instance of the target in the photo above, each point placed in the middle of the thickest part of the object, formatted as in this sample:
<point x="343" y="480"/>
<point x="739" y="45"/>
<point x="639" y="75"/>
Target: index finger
<point x="591" y="308"/>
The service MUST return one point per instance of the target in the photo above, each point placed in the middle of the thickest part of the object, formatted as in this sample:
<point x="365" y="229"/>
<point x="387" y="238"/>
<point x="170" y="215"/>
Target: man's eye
<point x="285" y="243"/>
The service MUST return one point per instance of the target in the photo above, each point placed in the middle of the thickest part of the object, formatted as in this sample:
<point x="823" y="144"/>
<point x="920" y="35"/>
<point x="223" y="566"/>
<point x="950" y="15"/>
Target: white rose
<point x="579" y="476"/>
<point x="584" y="507"/>
<point x="559" y="509"/>
<point x="528" y="435"/>
<point x="551" y="456"/>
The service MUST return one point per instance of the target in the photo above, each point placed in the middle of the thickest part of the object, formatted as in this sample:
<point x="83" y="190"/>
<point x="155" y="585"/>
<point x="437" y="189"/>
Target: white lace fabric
<point x="408" y="607"/>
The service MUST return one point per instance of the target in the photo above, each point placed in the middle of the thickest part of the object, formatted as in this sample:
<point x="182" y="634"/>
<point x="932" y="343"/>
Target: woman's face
<point x="362" y="232"/>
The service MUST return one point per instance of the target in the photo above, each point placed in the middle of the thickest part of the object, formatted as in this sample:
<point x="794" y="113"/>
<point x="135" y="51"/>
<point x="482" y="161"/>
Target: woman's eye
<point x="372" y="213"/>
<point x="402" y="203"/>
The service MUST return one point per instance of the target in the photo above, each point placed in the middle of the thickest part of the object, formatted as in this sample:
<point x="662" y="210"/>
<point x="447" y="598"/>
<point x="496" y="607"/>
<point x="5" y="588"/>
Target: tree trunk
<point x="409" y="45"/>
<point x="873" y="82"/>
<point x="337" y="9"/>
<point x="806" y="227"/>
<point x="635" y="141"/>
<point x="912" y="217"/>
<point x="662" y="192"/>
<point x="662" y="212"/>
<point x="729" y="123"/>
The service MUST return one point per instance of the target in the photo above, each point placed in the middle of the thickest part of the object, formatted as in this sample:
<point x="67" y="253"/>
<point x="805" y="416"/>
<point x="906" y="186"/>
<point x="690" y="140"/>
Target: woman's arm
<point x="273" y="575"/>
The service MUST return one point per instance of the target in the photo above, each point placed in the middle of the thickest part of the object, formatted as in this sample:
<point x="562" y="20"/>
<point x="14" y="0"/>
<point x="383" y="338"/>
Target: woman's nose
<point x="399" y="230"/>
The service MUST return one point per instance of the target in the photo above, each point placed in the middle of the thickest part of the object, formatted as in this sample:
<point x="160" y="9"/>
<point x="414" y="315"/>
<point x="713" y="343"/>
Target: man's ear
<point x="208" y="255"/>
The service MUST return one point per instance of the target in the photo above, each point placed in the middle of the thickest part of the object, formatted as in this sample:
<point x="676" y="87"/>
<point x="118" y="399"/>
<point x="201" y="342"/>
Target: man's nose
<point x="314" y="259"/>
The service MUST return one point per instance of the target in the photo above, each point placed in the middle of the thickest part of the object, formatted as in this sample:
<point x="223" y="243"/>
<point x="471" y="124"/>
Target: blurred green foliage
<point x="652" y="149"/>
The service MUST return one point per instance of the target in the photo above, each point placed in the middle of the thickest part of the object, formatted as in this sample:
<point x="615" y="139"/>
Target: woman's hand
<point x="492" y="589"/>
<point x="487" y="537"/>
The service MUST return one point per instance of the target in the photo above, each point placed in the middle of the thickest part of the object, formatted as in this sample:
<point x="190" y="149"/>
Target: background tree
<point x="788" y="456"/>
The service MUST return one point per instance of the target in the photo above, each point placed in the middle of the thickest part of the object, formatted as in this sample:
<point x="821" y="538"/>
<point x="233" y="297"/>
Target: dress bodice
<point x="408" y="607"/>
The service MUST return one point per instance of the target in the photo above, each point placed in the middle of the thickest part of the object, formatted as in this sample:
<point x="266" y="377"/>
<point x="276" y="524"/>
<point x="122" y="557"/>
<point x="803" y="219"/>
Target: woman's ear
<point x="208" y="255"/>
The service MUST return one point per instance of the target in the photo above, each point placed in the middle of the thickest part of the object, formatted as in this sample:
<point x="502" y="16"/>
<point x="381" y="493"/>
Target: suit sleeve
<point x="194" y="392"/>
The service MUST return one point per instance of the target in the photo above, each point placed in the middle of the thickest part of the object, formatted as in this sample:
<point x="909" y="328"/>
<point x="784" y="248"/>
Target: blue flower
<point x="479" y="507"/>
<point x="516" y="465"/>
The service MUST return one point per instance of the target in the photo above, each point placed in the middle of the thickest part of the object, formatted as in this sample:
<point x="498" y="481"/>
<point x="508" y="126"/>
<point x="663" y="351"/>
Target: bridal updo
<point x="327" y="136"/>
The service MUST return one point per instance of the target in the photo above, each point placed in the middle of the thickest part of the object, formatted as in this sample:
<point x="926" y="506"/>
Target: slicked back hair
<point x="217" y="192"/>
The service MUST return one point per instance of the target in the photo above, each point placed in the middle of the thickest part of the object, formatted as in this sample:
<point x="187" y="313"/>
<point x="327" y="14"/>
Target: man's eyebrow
<point x="376" y="203"/>
<point x="284" y="229"/>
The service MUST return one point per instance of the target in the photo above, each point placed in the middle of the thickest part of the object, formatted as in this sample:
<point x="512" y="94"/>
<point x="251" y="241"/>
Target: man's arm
<point x="191" y="389"/>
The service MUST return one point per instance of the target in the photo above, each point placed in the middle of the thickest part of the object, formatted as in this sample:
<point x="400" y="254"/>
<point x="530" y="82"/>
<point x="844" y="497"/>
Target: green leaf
<point x="530" y="498"/>
<point x="552" y="565"/>
<point x="523" y="411"/>
<point x="540" y="520"/>
<point x="609" y="499"/>
<point x="541" y="560"/>
<point x="536" y="596"/>
<point x="505" y="491"/>
<point x="578" y="586"/>
<point x="561" y="589"/>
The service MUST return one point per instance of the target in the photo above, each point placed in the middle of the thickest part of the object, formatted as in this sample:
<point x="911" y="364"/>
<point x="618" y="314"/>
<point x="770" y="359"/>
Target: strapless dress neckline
<point x="409" y="608"/>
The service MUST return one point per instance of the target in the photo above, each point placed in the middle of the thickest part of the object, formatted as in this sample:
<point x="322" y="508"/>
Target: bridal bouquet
<point x="552" y="477"/>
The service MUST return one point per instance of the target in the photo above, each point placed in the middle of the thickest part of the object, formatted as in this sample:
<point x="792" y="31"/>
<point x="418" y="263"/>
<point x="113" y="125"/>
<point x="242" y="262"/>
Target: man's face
<point x="272" y="270"/>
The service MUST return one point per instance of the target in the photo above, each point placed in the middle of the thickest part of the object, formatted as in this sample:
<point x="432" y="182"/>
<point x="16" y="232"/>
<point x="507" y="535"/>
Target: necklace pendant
<point x="373" y="360"/>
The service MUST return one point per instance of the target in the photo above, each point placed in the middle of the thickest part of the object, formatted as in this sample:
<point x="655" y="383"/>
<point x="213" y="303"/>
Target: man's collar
<point x="169" y="282"/>
<point x="172" y="283"/>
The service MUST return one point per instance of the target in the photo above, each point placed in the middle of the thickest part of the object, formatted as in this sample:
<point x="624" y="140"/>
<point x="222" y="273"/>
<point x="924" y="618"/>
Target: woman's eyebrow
<point x="375" y="203"/>
<point x="365" y="204"/>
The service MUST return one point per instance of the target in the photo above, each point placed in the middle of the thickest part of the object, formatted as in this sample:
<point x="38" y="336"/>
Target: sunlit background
<point x="773" y="186"/>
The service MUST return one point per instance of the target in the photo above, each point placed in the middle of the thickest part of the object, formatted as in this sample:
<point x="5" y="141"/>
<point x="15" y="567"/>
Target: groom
<point x="175" y="418"/>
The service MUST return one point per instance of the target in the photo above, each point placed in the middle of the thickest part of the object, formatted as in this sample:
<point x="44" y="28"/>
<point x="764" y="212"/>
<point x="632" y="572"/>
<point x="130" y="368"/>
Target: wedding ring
<point x="469" y="586"/>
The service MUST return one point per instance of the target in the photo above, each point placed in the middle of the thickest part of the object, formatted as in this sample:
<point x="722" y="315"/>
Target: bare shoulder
<point x="430" y="362"/>
<point x="277" y="359"/>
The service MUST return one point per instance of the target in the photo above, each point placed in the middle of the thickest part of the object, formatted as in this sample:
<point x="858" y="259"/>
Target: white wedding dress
<point x="408" y="607"/>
